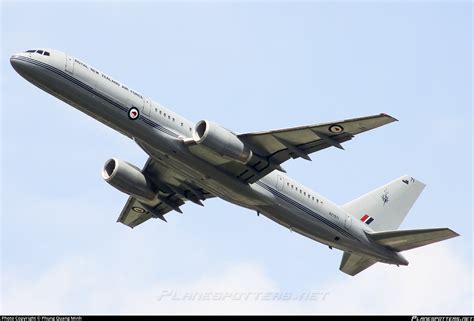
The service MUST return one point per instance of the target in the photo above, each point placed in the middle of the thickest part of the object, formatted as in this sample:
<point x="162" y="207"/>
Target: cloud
<point x="79" y="286"/>
<point x="438" y="281"/>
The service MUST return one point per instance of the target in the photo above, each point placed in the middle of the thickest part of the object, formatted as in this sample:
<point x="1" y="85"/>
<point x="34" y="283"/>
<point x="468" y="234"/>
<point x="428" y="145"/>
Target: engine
<point x="127" y="178"/>
<point x="221" y="141"/>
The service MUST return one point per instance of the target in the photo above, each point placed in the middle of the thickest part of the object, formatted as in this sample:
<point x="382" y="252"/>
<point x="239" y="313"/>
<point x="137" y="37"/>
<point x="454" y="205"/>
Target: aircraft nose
<point x="15" y="61"/>
<point x="20" y="66"/>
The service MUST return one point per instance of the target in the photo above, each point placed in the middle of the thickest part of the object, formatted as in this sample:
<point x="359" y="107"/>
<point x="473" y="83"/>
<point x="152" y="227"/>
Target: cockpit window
<point x="41" y="52"/>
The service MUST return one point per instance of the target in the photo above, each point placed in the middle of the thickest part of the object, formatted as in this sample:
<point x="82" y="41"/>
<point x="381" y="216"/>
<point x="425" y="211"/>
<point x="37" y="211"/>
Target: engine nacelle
<point x="127" y="178"/>
<point x="221" y="141"/>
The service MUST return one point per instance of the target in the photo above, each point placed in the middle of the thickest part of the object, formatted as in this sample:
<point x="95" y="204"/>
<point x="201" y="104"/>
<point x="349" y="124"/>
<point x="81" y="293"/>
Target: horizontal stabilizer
<point x="404" y="240"/>
<point x="352" y="263"/>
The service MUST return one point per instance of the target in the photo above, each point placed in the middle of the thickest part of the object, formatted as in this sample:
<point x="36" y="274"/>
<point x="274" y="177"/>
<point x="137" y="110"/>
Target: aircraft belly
<point x="301" y="223"/>
<point x="203" y="174"/>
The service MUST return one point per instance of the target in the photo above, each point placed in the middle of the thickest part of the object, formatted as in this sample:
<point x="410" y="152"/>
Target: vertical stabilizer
<point x="386" y="207"/>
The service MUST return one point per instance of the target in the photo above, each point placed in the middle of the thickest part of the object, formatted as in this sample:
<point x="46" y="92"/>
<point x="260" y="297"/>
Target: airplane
<point x="197" y="161"/>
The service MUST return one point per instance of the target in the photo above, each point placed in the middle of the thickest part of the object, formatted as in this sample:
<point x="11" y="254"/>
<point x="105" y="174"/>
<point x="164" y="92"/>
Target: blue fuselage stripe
<point x="307" y="210"/>
<point x="85" y="86"/>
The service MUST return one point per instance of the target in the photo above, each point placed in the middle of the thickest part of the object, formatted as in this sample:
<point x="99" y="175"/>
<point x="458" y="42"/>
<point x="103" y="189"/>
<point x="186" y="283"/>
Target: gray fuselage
<point x="162" y="134"/>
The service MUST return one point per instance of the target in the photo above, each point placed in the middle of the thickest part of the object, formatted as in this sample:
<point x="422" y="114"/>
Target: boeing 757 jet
<point x="197" y="161"/>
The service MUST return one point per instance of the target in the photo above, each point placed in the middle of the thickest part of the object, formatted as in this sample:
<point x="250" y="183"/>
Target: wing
<point x="272" y="148"/>
<point x="134" y="213"/>
<point x="172" y="193"/>
<point x="353" y="264"/>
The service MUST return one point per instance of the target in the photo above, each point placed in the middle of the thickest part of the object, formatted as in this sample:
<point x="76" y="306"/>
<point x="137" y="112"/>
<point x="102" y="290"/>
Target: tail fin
<point x="386" y="207"/>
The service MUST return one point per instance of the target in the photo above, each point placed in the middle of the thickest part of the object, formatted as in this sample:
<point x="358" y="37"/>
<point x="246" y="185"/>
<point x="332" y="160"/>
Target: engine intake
<point x="221" y="141"/>
<point x="127" y="178"/>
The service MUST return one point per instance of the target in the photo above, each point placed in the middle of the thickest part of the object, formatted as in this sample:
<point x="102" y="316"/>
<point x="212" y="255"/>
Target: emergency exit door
<point x="70" y="64"/>
<point x="147" y="107"/>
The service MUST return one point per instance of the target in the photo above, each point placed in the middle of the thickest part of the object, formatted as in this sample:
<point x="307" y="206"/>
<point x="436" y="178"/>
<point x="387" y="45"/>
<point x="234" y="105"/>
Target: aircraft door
<point x="69" y="64"/>
<point x="280" y="182"/>
<point x="147" y="107"/>
<point x="348" y="221"/>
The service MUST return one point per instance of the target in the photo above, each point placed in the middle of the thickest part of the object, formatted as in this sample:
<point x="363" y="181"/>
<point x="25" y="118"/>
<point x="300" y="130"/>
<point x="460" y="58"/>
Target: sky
<point x="249" y="66"/>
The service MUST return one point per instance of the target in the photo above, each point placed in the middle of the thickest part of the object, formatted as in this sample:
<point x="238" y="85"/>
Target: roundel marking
<point x="138" y="210"/>
<point x="336" y="129"/>
<point x="133" y="113"/>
